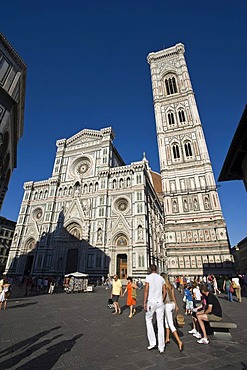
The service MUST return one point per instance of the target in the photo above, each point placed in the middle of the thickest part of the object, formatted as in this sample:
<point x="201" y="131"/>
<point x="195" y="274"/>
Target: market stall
<point x="76" y="282"/>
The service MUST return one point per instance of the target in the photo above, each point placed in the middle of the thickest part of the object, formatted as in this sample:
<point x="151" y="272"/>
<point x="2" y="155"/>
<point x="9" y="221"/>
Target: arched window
<point x="171" y="86"/>
<point x="99" y="235"/>
<point x="121" y="183"/>
<point x="96" y="186"/>
<point x="85" y="188"/>
<point x="188" y="150"/>
<point x="138" y="179"/>
<point x="77" y="188"/>
<point x="176" y="152"/>
<point x="181" y="116"/>
<point x="139" y="208"/>
<point x="171" y="119"/>
<point x="114" y="184"/>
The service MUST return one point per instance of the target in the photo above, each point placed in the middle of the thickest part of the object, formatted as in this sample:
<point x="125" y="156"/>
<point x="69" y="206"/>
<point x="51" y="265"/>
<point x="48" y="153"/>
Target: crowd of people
<point x="199" y="297"/>
<point x="190" y="288"/>
<point x="30" y="285"/>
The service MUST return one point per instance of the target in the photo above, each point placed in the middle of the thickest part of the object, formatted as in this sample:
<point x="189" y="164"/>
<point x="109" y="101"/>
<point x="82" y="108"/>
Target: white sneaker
<point x="197" y="335"/>
<point x="151" y="347"/>
<point x="203" y="341"/>
<point x="193" y="331"/>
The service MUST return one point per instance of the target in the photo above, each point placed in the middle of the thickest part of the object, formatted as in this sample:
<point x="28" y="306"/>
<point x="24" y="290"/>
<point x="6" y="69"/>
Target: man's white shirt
<point x="155" y="291"/>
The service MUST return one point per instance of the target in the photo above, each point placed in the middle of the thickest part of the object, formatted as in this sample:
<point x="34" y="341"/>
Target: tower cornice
<point x="166" y="53"/>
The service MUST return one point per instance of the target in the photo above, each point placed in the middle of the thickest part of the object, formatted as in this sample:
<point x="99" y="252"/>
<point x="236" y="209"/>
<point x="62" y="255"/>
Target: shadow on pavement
<point x="7" y="364"/>
<point x="21" y="305"/>
<point x="48" y="359"/>
<point x="26" y="343"/>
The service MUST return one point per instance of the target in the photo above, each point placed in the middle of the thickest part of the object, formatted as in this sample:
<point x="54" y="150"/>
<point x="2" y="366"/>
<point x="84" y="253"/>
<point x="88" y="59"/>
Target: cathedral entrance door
<point x="72" y="261"/>
<point x="29" y="265"/>
<point x="122" y="266"/>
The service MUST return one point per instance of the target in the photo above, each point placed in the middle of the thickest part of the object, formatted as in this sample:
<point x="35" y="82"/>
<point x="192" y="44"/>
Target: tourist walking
<point x="108" y="282"/>
<point x="227" y="286"/>
<point x="116" y="293"/>
<point x="154" y="295"/>
<point x="189" y="300"/>
<point x="5" y="293"/>
<point x="196" y="294"/>
<point x="215" y="285"/>
<point x="131" y="296"/>
<point x="170" y="307"/>
<point x="51" y="287"/>
<point x="237" y="287"/>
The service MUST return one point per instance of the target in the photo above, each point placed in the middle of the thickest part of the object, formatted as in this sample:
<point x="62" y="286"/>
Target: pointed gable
<point x="75" y="211"/>
<point x="120" y="225"/>
<point x="93" y="136"/>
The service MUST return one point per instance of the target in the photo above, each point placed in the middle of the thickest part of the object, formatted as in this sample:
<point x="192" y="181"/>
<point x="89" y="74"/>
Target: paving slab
<point x="78" y="331"/>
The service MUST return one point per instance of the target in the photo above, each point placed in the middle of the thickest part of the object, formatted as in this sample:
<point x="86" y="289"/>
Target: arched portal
<point x="30" y="250"/>
<point x="122" y="262"/>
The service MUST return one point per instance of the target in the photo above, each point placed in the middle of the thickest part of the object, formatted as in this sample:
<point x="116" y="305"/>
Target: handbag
<point x="231" y="289"/>
<point x="234" y="285"/>
<point x="133" y="294"/>
<point x="110" y="303"/>
<point x="180" y="320"/>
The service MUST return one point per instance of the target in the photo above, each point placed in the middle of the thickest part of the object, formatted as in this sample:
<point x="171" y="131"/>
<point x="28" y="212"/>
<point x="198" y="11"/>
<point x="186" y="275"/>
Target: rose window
<point x="121" y="204"/>
<point x="37" y="214"/>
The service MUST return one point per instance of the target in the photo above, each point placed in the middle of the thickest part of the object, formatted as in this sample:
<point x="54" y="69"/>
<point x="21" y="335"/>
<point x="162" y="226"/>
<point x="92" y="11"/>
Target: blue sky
<point x="87" y="68"/>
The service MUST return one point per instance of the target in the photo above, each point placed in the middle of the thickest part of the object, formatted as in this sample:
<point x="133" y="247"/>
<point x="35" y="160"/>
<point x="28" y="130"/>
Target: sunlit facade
<point x="95" y="214"/>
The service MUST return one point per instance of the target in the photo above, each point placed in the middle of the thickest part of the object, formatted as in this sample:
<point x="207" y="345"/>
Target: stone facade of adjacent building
<point x="235" y="168"/>
<point x="7" y="228"/>
<point x="12" y="101"/>
<point x="235" y="164"/>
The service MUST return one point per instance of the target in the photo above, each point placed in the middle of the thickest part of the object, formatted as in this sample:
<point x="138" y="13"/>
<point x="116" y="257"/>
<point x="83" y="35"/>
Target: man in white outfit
<point x="154" y="295"/>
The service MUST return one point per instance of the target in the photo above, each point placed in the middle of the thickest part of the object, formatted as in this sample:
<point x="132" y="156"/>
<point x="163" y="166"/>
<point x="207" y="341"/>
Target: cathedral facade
<point x="96" y="214"/>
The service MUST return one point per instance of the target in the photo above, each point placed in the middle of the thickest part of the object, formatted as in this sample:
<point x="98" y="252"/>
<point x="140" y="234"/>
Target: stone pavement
<point x="78" y="331"/>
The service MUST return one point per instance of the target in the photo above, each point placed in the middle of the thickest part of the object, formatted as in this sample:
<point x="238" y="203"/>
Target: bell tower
<point x="196" y="239"/>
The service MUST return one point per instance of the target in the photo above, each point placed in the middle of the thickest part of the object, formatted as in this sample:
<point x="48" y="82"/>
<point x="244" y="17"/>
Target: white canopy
<point x="77" y="274"/>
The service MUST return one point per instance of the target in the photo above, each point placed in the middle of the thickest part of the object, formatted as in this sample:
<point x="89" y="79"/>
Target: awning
<point x="77" y="274"/>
